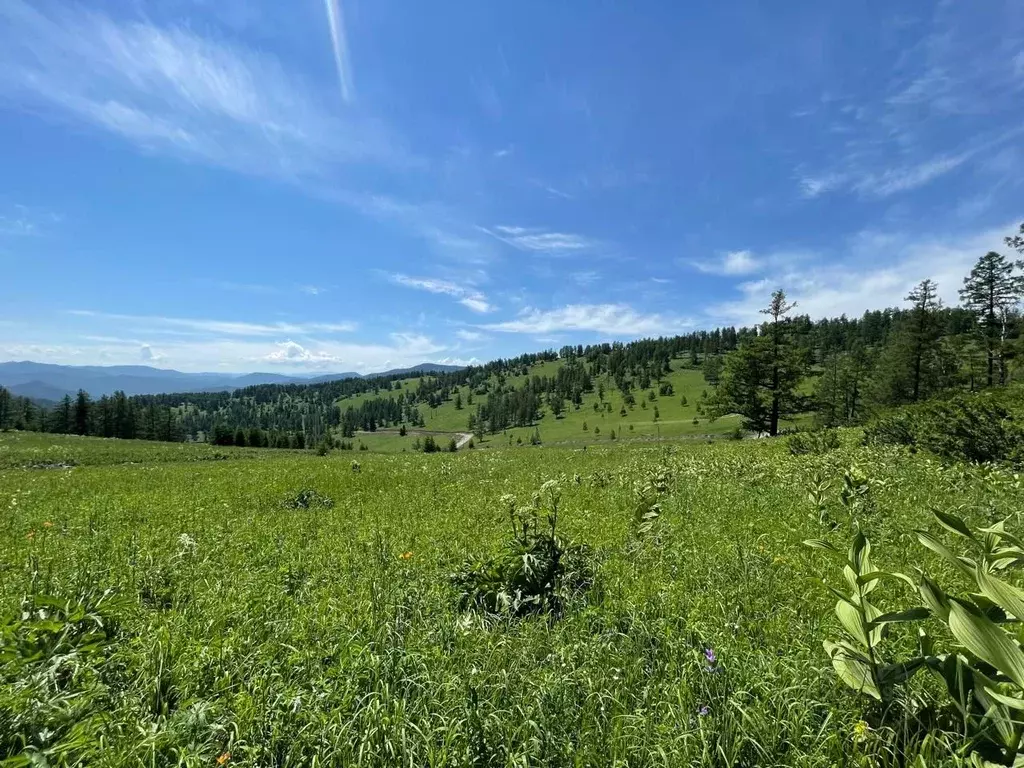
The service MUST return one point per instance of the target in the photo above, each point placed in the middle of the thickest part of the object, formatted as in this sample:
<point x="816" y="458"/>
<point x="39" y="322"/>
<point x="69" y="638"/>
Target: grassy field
<point x="43" y="451"/>
<point x="577" y="427"/>
<point x="170" y="611"/>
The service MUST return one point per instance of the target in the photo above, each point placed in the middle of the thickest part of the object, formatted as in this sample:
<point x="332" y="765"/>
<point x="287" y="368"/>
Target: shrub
<point x="308" y="498"/>
<point x="817" y="443"/>
<point x="968" y="427"/>
<point x="536" y="573"/>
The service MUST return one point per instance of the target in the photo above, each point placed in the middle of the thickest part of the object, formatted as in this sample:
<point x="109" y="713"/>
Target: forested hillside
<point x="840" y="369"/>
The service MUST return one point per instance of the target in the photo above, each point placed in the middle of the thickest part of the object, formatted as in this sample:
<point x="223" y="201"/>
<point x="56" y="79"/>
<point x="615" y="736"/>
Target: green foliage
<point x="54" y="678"/>
<point x="983" y="667"/>
<point x="333" y="636"/>
<point x="759" y="380"/>
<point x="310" y="498"/>
<point x="817" y="442"/>
<point x="537" y="572"/>
<point x="980" y="427"/>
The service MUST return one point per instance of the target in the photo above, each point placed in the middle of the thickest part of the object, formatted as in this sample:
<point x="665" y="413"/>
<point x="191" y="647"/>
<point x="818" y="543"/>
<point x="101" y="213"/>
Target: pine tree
<point x="5" y="409"/>
<point x="760" y="378"/>
<point x="83" y="407"/>
<point x="62" y="422"/>
<point x="990" y="292"/>
<point x="924" y="331"/>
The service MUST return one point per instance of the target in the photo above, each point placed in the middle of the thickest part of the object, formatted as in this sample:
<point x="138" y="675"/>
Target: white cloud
<point x="339" y="46"/>
<point x="539" y="240"/>
<point x="586" y="277"/>
<point x="964" y="71"/>
<point x="225" y="353"/>
<point x="731" y="263"/>
<point x="172" y="91"/>
<point x="149" y="355"/>
<point x="224" y="327"/>
<point x="462" y="362"/>
<point x="468" y="297"/>
<point x="292" y="353"/>
<point x="894" y="180"/>
<point x="169" y="90"/>
<point x="471" y="336"/>
<point x="873" y="270"/>
<point x="21" y="220"/>
<point x="615" y="320"/>
<point x="815" y="186"/>
<point x="887" y="181"/>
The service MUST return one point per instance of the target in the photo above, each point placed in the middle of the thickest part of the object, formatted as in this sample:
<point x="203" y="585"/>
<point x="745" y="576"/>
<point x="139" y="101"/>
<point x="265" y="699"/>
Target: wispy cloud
<point x="468" y="297"/>
<point x="471" y="336"/>
<point x="22" y="220"/>
<point x="339" y="46"/>
<point x="586" y="277"/>
<point x="150" y="355"/>
<point x="168" y="90"/>
<point x="228" y="353"/>
<point x="952" y="99"/>
<point x="614" y="320"/>
<point x="871" y="270"/>
<point x="539" y="240"/>
<point x="730" y="263"/>
<point x="223" y="327"/>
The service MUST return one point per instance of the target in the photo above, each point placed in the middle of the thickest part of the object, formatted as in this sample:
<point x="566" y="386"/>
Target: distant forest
<point x="884" y="358"/>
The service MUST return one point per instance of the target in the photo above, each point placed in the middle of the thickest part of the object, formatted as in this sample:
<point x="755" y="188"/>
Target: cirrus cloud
<point x="615" y="320"/>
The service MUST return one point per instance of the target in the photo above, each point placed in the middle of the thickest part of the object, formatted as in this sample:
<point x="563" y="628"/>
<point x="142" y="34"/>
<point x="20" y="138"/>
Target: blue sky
<point x="360" y="184"/>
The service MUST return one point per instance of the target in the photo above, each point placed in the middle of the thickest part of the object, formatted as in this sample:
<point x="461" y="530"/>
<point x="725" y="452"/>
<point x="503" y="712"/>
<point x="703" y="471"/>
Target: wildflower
<point x="406" y="555"/>
<point x="47" y="524"/>
<point x="223" y="758"/>
<point x="704" y="711"/>
<point x="709" y="656"/>
<point x="30" y="535"/>
<point x="861" y="731"/>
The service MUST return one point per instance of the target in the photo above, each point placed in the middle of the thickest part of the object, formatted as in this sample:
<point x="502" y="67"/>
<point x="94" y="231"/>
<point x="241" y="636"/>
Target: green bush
<point x="536" y="573"/>
<point x="817" y="443"/>
<point x="308" y="498"/>
<point x="979" y="427"/>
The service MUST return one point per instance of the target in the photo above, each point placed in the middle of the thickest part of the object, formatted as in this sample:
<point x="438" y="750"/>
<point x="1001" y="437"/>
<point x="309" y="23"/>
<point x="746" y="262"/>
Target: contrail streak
<point x="336" y="22"/>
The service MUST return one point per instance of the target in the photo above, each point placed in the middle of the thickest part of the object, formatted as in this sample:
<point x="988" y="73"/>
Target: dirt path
<point x="464" y="438"/>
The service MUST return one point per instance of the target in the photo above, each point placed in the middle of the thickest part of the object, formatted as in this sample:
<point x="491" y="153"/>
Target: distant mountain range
<point x="42" y="381"/>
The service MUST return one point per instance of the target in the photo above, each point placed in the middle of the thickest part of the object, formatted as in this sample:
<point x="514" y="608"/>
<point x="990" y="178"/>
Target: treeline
<point x="926" y="350"/>
<point x="884" y="358"/>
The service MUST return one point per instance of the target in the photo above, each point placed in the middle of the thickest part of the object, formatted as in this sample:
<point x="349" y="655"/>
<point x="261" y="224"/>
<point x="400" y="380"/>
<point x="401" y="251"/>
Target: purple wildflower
<point x="709" y="656"/>
<point x="704" y="711"/>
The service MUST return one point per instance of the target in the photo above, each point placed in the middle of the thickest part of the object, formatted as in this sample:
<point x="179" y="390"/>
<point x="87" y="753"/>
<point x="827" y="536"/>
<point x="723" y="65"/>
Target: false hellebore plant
<point x="983" y="669"/>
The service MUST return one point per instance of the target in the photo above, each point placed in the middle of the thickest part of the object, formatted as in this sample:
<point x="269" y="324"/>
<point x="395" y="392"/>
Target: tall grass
<point x="241" y="630"/>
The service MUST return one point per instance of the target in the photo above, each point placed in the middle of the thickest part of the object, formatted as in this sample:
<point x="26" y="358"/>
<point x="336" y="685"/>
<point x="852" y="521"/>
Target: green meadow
<point x="597" y="421"/>
<point x="188" y="605"/>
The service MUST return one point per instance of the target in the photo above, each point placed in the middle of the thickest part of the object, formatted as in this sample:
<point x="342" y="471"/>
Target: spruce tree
<point x="990" y="292"/>
<point x="83" y="406"/>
